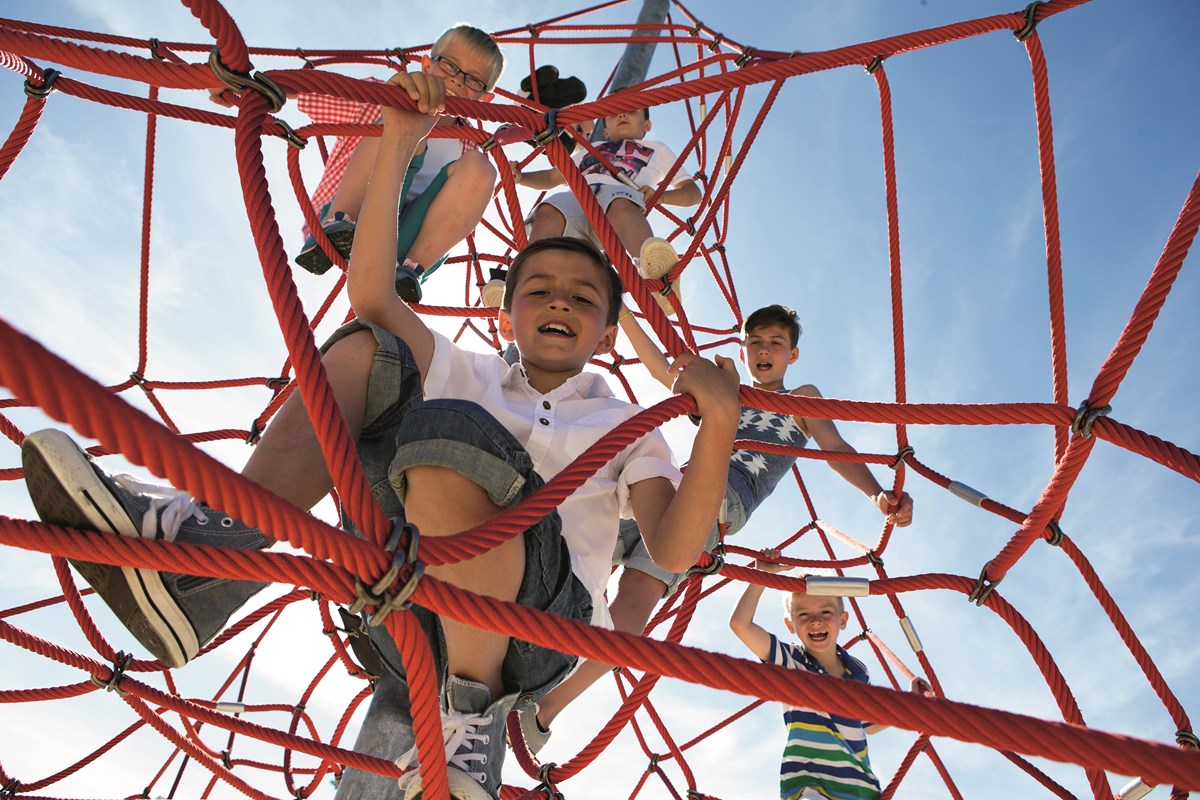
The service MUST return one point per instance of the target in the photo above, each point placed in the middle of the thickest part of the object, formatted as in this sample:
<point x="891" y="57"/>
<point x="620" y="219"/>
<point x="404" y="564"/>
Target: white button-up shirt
<point x="555" y="428"/>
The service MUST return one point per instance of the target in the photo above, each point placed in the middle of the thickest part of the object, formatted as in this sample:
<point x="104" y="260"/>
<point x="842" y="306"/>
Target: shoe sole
<point x="317" y="261"/>
<point x="66" y="490"/>
<point x="656" y="258"/>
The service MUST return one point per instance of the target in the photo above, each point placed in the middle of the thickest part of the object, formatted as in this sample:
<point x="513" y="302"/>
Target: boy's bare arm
<point x="371" y="277"/>
<point x="648" y="352"/>
<point x="827" y="437"/>
<point x="675" y="526"/>
<point x="540" y="179"/>
<point x="741" y="621"/>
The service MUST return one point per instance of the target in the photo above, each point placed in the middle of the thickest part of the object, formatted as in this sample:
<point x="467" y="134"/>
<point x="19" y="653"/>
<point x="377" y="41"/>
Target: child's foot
<point x="493" y="291"/>
<point x="339" y="227"/>
<point x="656" y="259"/>
<point x="473" y="732"/>
<point x="408" y="281"/>
<point x="172" y="615"/>
<point x="535" y="735"/>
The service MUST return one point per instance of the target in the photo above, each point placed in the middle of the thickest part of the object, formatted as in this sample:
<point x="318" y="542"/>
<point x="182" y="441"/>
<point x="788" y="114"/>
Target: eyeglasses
<point x="453" y="70"/>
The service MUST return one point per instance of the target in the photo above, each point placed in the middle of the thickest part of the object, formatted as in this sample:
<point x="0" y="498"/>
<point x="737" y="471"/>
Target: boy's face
<point x="474" y="71"/>
<point x="816" y="621"/>
<point x="558" y="314"/>
<point x="767" y="352"/>
<point x="628" y="125"/>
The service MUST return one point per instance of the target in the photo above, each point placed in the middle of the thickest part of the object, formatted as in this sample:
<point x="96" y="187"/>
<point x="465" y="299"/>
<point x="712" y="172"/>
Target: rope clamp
<point x="255" y="433"/>
<point x="874" y="64"/>
<point x="308" y="64"/>
<point x="1056" y="533"/>
<point x="691" y="226"/>
<point x="904" y="453"/>
<point x="40" y="91"/>
<point x="618" y="360"/>
<point x="154" y="45"/>
<point x="982" y="589"/>
<point x="695" y="31"/>
<point x="275" y="384"/>
<point x="551" y="130"/>
<point x="140" y="380"/>
<point x="10" y="789"/>
<point x="226" y="760"/>
<point x="1187" y="738"/>
<point x="239" y="81"/>
<point x="715" y="44"/>
<point x="875" y="560"/>
<point x="1030" y="22"/>
<point x="290" y="136"/>
<point x="533" y="29"/>
<point x="547" y="783"/>
<point x="402" y="599"/>
<point x="114" y="681"/>
<point x="744" y="57"/>
<point x="1085" y="417"/>
<point x="718" y="563"/>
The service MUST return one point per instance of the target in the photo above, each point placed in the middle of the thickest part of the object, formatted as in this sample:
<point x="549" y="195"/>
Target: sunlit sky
<point x="807" y="227"/>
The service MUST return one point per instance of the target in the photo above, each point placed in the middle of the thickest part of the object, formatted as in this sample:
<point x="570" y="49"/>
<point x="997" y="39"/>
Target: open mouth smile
<point x="556" y="329"/>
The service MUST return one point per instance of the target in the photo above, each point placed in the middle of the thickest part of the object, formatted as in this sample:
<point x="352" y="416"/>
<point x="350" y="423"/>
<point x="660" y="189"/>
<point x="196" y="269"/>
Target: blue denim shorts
<point x="632" y="553"/>
<point x="400" y="430"/>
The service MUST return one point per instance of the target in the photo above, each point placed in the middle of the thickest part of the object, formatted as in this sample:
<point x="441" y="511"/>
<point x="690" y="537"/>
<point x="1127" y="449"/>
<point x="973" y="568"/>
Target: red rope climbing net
<point x="727" y="91"/>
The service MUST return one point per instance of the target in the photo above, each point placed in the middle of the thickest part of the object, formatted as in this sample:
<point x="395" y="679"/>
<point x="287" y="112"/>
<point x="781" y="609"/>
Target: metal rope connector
<point x="1030" y="22"/>
<point x="41" y="90"/>
<point x="550" y="132"/>
<point x="744" y="57"/>
<point x="904" y="453"/>
<point x="1136" y="789"/>
<point x="1086" y="416"/>
<point x="154" y="44"/>
<point x="10" y="789"/>
<point x="874" y="64"/>
<point x="376" y="594"/>
<point x="1187" y="738"/>
<point x="546" y="784"/>
<point x="240" y="81"/>
<point x="1056" y="533"/>
<point x="983" y="588"/>
<point x="289" y="134"/>
<point x="113" y="684"/>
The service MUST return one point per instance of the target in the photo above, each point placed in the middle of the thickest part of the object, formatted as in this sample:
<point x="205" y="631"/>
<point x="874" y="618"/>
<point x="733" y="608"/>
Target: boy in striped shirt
<point x="825" y="757"/>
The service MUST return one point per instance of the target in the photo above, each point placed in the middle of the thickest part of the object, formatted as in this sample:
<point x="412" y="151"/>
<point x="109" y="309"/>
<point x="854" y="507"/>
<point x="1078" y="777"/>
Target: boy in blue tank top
<point x="769" y="346"/>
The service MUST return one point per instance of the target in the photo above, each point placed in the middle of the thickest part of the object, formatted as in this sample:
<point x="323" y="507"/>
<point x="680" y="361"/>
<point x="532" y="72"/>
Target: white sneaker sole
<point x="67" y="491"/>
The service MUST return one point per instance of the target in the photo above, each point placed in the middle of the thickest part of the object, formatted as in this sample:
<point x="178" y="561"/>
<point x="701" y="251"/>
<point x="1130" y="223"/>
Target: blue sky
<point x="807" y="228"/>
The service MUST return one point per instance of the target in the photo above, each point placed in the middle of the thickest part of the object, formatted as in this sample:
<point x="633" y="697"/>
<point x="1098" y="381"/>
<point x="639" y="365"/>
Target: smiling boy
<point x="825" y="757"/>
<point x="449" y="439"/>
<point x="448" y="182"/>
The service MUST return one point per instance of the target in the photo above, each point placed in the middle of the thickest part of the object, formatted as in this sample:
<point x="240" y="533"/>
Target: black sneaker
<point x="172" y="615"/>
<point x="340" y="230"/>
<point x="408" y="284"/>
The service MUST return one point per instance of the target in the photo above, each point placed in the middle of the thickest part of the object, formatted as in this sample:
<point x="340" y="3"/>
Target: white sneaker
<point x="656" y="259"/>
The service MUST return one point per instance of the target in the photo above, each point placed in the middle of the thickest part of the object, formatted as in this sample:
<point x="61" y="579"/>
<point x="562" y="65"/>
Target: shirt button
<point x="546" y="404"/>
<point x="544" y="421"/>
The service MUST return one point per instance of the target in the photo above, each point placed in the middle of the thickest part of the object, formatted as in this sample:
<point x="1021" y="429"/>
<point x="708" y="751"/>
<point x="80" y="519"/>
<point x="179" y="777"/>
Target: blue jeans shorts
<point x="632" y="553"/>
<point x="400" y="430"/>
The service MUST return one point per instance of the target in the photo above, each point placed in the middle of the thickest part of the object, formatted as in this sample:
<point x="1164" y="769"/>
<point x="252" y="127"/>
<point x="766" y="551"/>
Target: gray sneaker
<point x="532" y="731"/>
<point x="172" y="615"/>
<point x="473" y="730"/>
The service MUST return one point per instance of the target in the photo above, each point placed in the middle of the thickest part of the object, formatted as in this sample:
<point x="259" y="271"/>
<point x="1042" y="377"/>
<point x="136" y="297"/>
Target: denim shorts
<point x="632" y="553"/>
<point x="400" y="430"/>
<point x="576" y="222"/>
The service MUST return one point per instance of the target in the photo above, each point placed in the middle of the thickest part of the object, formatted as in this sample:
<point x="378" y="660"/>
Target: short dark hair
<point x="775" y="315"/>
<point x="576" y="245"/>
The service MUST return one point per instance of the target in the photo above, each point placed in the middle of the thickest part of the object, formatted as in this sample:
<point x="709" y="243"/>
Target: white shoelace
<point x="176" y="505"/>
<point x="457" y="729"/>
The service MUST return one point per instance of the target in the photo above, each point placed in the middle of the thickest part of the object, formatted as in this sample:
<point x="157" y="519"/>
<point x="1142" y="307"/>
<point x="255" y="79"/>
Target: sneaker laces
<point x="458" y="730"/>
<point x="177" y="507"/>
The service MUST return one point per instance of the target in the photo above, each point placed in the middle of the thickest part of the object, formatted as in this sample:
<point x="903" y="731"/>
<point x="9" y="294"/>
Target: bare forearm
<point x="540" y="179"/>
<point x="686" y="194"/>
<point x="647" y="351"/>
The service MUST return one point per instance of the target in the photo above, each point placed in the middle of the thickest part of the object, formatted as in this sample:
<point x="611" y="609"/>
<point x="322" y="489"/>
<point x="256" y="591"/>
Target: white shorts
<point x="577" y="224"/>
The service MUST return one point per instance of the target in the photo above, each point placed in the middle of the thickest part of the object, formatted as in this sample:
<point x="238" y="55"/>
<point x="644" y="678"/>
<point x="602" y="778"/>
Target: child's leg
<point x="548" y="221"/>
<point x="629" y="221"/>
<point x="471" y="653"/>
<point x="456" y="209"/>
<point x="637" y="595"/>
<point x="349" y="195"/>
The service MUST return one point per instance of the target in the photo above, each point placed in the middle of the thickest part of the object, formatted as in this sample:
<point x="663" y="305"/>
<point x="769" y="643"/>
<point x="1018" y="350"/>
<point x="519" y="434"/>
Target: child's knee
<point x="621" y="207"/>
<point x="475" y="169"/>
<point x="546" y="221"/>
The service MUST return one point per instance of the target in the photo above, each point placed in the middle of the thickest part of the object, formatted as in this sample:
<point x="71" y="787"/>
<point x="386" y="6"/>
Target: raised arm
<point x="648" y="352"/>
<point x="827" y="437"/>
<point x="675" y="524"/>
<point x="372" y="273"/>
<point x="540" y="179"/>
<point x="741" y="621"/>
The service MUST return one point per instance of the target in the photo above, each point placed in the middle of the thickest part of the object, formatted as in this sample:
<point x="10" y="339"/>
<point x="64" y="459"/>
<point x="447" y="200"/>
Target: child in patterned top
<point x="769" y="347"/>
<point x="638" y="166"/>
<point x="825" y="757"/>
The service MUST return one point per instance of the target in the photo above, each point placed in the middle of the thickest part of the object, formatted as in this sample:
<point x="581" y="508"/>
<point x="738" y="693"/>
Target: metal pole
<point x="635" y="63"/>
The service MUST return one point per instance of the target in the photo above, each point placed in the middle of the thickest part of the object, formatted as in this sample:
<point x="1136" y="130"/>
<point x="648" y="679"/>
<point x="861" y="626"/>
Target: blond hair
<point x="473" y="39"/>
